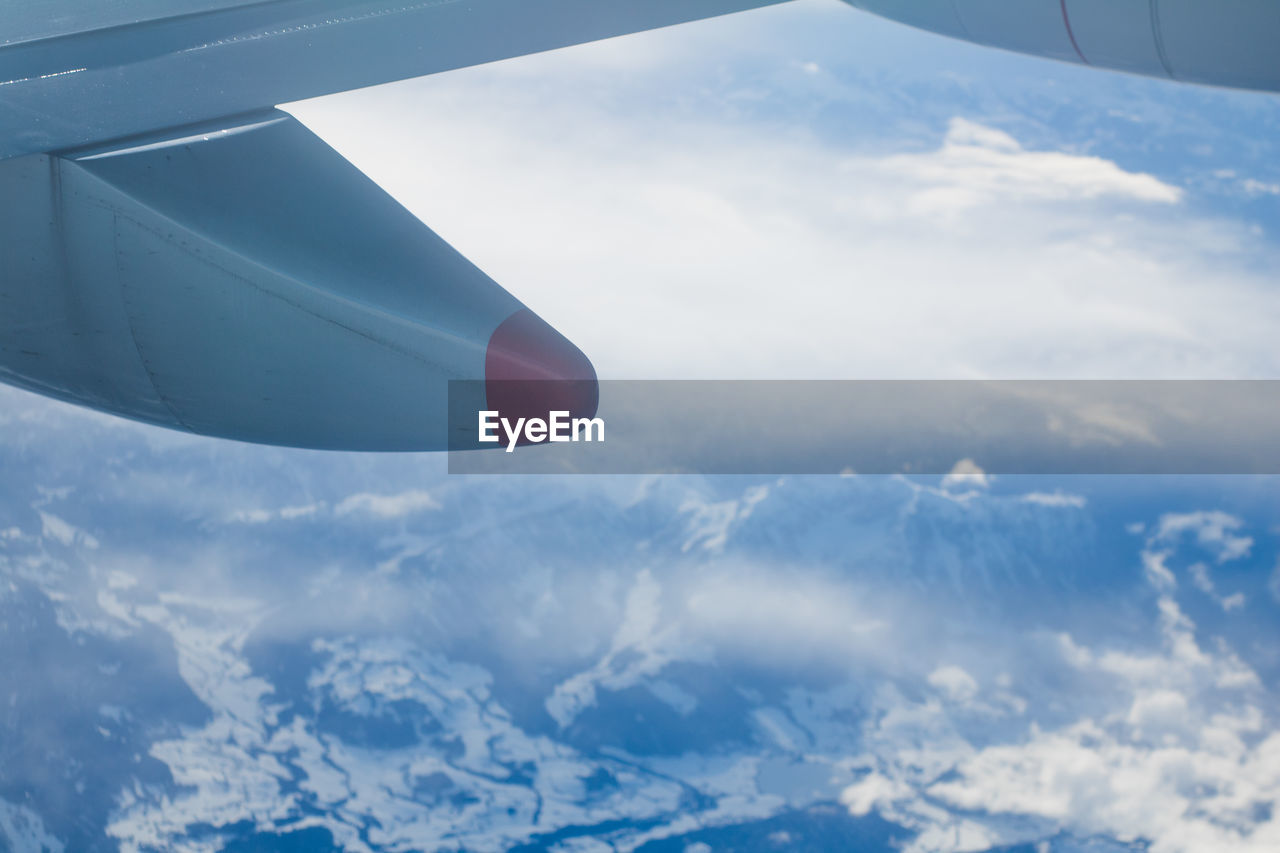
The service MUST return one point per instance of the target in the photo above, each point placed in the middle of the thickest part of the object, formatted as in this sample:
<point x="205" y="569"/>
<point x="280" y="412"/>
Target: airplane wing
<point x="244" y="280"/>
<point x="178" y="252"/>
<point x="1215" y="42"/>
<point x="75" y="72"/>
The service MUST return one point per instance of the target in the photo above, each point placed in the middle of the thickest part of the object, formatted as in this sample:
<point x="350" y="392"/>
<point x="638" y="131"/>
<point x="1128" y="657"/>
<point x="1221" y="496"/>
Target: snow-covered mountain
<point x="212" y="646"/>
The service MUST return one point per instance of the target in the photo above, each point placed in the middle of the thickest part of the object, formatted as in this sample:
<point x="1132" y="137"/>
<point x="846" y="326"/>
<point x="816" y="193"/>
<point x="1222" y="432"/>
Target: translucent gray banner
<point x="883" y="427"/>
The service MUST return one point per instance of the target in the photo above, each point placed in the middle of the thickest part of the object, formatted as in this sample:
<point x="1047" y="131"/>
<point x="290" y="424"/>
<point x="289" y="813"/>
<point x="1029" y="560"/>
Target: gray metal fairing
<point x="245" y="282"/>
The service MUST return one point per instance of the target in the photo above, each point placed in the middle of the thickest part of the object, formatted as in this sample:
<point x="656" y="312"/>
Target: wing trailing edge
<point x="243" y="280"/>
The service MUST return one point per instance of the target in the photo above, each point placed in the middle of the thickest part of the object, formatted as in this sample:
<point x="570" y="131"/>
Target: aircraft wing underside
<point x="177" y="251"/>
<point x="75" y="73"/>
<point x="241" y="279"/>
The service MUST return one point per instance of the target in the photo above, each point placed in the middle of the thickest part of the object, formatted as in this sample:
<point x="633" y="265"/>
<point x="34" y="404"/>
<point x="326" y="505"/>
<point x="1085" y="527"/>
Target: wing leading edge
<point x="93" y="78"/>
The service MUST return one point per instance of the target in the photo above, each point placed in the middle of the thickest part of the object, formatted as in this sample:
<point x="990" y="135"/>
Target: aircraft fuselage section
<point x="1216" y="42"/>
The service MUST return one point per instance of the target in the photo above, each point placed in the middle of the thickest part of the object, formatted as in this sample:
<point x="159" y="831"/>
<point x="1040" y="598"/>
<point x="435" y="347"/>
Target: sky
<point x="810" y="192"/>
<point x="221" y="638"/>
<point x="807" y="191"/>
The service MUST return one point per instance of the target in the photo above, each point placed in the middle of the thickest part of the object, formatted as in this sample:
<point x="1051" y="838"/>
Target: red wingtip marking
<point x="530" y="369"/>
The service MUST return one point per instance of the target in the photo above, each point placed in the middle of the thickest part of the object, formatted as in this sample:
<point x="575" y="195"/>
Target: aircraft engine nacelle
<point x="1220" y="42"/>
<point x="244" y="280"/>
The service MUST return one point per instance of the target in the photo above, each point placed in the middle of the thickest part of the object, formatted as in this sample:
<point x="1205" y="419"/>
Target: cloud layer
<point x="683" y="208"/>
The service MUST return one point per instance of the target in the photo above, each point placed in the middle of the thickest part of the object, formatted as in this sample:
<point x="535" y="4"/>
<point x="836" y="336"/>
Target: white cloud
<point x="1055" y="499"/>
<point x="671" y="237"/>
<point x="387" y="506"/>
<point x="733" y="611"/>
<point x="642" y="645"/>
<point x="966" y="472"/>
<point x="23" y="830"/>
<point x="1232" y="602"/>
<point x="1158" y="574"/>
<point x="1214" y="530"/>
<point x="1200" y="577"/>
<point x="1255" y="187"/>
<point x="1203" y="580"/>
<point x="873" y="792"/>
<point x="979" y="165"/>
<point x="775" y="618"/>
<point x="711" y="523"/>
<point x="1097" y="783"/>
<point x="264" y="516"/>
<point x="954" y="683"/>
<point x="55" y="528"/>
<point x="1180" y="753"/>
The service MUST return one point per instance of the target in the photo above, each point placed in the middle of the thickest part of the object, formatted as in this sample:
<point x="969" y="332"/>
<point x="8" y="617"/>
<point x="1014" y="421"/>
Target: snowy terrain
<point x="366" y="654"/>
